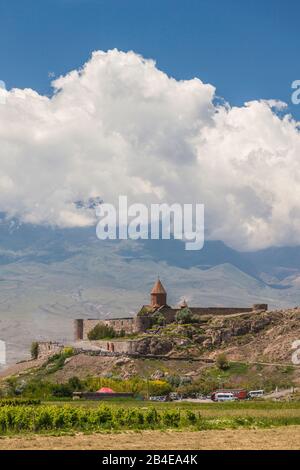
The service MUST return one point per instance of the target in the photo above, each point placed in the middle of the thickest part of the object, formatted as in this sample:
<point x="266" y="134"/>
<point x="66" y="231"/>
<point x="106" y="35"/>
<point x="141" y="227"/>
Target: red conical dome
<point x="158" y="295"/>
<point x="158" y="288"/>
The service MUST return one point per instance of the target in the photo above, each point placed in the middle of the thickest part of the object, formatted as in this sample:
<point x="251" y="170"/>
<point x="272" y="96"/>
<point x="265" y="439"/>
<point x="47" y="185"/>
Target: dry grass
<point x="284" y="413"/>
<point x="262" y="439"/>
<point x="21" y="368"/>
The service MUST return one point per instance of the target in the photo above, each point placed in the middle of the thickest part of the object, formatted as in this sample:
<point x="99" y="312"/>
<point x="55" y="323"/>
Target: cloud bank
<point x="121" y="126"/>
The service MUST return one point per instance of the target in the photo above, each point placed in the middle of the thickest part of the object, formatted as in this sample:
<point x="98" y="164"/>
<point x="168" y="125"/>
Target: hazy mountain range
<point x="50" y="276"/>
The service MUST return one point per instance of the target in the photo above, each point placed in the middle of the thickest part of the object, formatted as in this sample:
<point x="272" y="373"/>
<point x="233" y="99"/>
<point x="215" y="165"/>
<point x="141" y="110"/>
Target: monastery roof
<point x="158" y="288"/>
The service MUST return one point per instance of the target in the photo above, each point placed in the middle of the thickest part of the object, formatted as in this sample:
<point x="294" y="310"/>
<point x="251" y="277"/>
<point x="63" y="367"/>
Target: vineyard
<point x="36" y="418"/>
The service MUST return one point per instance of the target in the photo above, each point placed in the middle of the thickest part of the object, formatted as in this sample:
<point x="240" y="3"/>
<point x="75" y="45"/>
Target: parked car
<point x="200" y="396"/>
<point x="159" y="398"/>
<point x="174" y="396"/>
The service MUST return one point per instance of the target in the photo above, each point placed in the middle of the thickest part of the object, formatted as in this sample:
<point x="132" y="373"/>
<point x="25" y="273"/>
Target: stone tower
<point x="158" y="295"/>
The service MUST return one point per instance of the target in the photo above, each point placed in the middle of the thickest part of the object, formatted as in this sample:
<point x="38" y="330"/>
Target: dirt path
<point x="20" y="367"/>
<point x="276" y="438"/>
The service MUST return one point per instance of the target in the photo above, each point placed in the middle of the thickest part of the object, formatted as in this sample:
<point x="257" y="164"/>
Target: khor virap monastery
<point x="147" y="316"/>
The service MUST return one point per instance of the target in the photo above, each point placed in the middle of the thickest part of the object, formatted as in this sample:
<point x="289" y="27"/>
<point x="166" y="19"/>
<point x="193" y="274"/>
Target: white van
<point x="255" y="393"/>
<point x="222" y="396"/>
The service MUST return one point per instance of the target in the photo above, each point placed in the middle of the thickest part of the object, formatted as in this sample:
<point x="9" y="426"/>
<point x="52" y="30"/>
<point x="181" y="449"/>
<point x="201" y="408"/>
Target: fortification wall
<point x="48" y="348"/>
<point x="220" y="310"/>
<point x="78" y="329"/>
<point x="141" y="323"/>
<point x="122" y="347"/>
<point x="228" y="310"/>
<point x="83" y="327"/>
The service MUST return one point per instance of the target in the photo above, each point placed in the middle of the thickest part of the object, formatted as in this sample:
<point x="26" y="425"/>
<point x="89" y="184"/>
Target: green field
<point x="244" y="406"/>
<point x="134" y="415"/>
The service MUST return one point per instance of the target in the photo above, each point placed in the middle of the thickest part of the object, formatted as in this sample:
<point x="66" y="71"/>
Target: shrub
<point x="11" y="386"/>
<point x="40" y="388"/>
<point x="222" y="362"/>
<point x="36" y="389"/>
<point x="151" y="417"/>
<point x="135" y="385"/>
<point x="159" y="387"/>
<point x="68" y="351"/>
<point x="171" y="418"/>
<point x="174" y="380"/>
<point x="190" y="417"/>
<point x="66" y="389"/>
<point x="158" y="319"/>
<point x="62" y="390"/>
<point x="57" y="361"/>
<point x="101" y="331"/>
<point x="34" y="350"/>
<point x="204" y="385"/>
<point x="19" y="402"/>
<point x="75" y="383"/>
<point x="184" y="316"/>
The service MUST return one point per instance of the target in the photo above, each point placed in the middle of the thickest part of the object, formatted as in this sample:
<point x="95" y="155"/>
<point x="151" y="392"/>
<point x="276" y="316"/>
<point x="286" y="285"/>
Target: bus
<point x="255" y="393"/>
<point x="239" y="393"/>
<point x="223" y="396"/>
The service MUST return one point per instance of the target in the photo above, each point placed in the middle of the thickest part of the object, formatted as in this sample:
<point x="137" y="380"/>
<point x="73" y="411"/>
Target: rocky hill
<point x="268" y="336"/>
<point x="258" y="346"/>
<point x="256" y="336"/>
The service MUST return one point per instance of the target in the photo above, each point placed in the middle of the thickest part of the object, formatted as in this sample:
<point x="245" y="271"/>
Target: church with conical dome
<point x="158" y="295"/>
<point x="157" y="312"/>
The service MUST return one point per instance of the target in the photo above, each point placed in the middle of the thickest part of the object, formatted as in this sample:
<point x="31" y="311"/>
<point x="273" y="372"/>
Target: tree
<point x="159" y="387"/>
<point x="34" y="350"/>
<point x="75" y="383"/>
<point x="101" y="331"/>
<point x="222" y="362"/>
<point x="184" y="316"/>
<point x="158" y="319"/>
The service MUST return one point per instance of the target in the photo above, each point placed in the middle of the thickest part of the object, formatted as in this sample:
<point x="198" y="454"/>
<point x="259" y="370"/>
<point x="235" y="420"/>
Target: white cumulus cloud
<point x="121" y="126"/>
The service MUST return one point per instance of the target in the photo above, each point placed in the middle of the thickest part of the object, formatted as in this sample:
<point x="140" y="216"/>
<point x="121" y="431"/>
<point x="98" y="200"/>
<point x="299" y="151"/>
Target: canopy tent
<point x="105" y="390"/>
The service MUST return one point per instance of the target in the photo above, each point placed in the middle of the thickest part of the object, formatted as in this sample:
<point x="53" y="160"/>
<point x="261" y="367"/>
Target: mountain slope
<point x="50" y="276"/>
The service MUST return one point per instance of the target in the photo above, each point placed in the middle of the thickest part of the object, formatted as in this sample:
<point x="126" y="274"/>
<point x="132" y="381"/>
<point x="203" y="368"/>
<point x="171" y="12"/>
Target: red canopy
<point x="105" y="390"/>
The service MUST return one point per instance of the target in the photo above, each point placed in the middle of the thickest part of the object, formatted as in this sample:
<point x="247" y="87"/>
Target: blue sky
<point x="248" y="50"/>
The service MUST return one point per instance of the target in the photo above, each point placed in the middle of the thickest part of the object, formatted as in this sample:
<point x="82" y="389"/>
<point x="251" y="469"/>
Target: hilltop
<point x="257" y="346"/>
